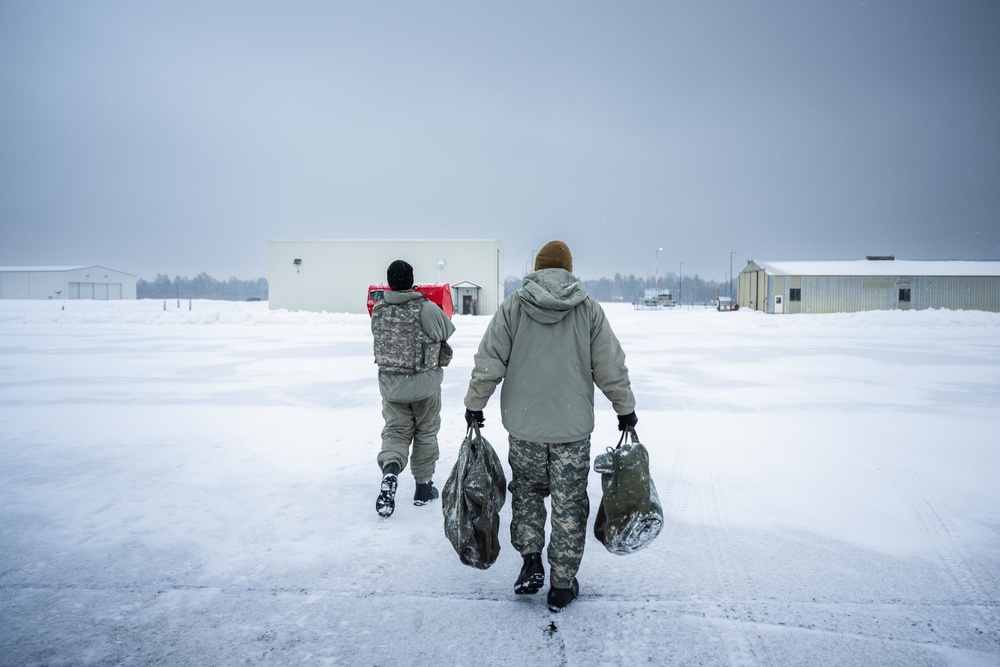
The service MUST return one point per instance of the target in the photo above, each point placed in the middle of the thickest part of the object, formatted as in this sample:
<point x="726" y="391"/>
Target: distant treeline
<point x="620" y="288"/>
<point x="202" y="286"/>
<point x="631" y="289"/>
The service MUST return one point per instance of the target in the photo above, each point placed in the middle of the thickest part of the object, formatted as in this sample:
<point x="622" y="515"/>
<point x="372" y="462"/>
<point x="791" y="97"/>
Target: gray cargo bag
<point x="630" y="515"/>
<point x="471" y="501"/>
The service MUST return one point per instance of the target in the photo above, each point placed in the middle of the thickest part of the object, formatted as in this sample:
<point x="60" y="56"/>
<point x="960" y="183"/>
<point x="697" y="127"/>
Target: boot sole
<point x="385" y="504"/>
<point x="531" y="585"/>
<point x="555" y="609"/>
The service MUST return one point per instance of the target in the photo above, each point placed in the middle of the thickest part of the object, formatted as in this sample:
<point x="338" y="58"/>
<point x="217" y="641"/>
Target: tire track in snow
<point x="673" y="491"/>
<point x="694" y="461"/>
<point x="242" y="468"/>
<point x="940" y="533"/>
<point x="728" y="569"/>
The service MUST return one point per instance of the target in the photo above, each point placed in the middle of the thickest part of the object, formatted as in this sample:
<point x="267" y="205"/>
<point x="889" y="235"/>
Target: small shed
<point x="65" y="282"/>
<point x="467" y="296"/>
<point x="875" y="283"/>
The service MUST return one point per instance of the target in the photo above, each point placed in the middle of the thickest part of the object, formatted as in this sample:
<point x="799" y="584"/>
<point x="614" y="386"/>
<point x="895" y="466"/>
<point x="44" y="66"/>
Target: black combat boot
<point x="532" y="575"/>
<point x="559" y="598"/>
<point x="425" y="493"/>
<point x="385" y="504"/>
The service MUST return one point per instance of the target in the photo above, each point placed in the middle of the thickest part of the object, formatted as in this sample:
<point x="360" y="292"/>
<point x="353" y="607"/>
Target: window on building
<point x="904" y="294"/>
<point x="795" y="294"/>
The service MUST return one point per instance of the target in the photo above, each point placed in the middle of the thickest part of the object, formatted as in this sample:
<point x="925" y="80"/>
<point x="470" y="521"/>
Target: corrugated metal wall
<point x="794" y="282"/>
<point x="776" y="285"/>
<point x="334" y="275"/>
<point x="850" y="294"/>
<point x="751" y="289"/>
<point x="975" y="293"/>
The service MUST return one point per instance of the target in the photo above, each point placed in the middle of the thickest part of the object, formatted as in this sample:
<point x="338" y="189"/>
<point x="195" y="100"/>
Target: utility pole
<point x="680" y="283"/>
<point x="657" y="285"/>
<point x="731" y="273"/>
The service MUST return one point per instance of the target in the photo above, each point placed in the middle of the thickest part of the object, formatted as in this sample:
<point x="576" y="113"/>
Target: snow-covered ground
<point x="196" y="487"/>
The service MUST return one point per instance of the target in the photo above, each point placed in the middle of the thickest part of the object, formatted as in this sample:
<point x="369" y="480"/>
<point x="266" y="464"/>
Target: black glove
<point x="628" y="421"/>
<point x="474" y="415"/>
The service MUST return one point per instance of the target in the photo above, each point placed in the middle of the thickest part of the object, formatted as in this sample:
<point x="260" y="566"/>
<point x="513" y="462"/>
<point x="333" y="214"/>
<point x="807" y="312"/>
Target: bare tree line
<point x="631" y="289"/>
<point x="202" y="286"/>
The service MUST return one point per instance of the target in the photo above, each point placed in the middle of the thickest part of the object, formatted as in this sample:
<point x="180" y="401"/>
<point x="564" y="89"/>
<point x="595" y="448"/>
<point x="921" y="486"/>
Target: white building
<point x="334" y="275"/>
<point x="65" y="282"/>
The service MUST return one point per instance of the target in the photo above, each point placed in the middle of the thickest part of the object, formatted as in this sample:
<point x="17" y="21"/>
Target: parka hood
<point x="548" y="295"/>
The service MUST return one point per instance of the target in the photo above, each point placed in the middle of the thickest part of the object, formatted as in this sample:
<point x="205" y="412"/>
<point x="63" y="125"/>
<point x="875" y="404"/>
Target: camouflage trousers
<point x="560" y="470"/>
<point x="417" y="422"/>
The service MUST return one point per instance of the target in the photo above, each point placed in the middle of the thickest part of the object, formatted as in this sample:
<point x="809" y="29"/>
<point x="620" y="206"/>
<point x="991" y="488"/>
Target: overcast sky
<point x="180" y="137"/>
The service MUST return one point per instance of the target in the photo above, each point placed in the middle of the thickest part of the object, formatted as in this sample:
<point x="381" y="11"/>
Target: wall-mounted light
<point x="296" y="262"/>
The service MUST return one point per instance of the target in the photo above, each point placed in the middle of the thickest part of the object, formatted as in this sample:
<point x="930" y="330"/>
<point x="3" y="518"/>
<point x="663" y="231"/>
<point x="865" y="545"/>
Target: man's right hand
<point x="474" y="415"/>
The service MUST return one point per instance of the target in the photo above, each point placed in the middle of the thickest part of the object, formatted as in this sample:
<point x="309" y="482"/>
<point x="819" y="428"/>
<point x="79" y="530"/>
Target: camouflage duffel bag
<point x="630" y="515"/>
<point x="471" y="501"/>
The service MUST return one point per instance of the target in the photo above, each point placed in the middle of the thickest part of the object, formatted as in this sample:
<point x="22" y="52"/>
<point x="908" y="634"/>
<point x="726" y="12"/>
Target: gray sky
<point x="179" y="137"/>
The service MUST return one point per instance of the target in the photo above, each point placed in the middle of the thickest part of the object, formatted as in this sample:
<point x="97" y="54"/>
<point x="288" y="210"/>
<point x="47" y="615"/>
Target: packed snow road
<point x="197" y="487"/>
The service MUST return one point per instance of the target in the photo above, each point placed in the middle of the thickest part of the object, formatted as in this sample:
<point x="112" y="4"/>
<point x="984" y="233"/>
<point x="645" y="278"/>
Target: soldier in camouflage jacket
<point x="408" y="331"/>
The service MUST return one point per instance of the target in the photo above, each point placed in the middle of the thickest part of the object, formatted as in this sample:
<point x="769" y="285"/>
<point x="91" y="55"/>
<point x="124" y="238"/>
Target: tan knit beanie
<point x="554" y="255"/>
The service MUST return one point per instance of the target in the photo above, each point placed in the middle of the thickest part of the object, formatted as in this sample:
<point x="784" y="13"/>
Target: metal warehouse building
<point x="334" y="275"/>
<point x="876" y="283"/>
<point x="65" y="282"/>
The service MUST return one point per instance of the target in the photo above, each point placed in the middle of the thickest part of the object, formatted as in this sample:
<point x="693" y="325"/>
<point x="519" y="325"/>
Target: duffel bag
<point x="630" y="515"/>
<point x="471" y="501"/>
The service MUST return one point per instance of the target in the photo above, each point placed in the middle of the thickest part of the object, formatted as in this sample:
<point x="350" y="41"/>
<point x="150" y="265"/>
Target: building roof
<point x="894" y="267"/>
<point x="58" y="269"/>
<point x="385" y="241"/>
<point x="6" y="269"/>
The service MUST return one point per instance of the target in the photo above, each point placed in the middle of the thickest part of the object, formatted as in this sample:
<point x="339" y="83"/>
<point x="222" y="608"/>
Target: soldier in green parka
<point x="550" y="344"/>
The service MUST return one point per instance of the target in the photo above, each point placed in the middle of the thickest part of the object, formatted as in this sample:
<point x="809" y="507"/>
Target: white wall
<point x="334" y="275"/>
<point x="87" y="282"/>
<point x="97" y="282"/>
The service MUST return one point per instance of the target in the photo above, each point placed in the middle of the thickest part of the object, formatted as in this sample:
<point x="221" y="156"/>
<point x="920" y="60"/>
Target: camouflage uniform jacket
<point x="550" y="343"/>
<point x="404" y="387"/>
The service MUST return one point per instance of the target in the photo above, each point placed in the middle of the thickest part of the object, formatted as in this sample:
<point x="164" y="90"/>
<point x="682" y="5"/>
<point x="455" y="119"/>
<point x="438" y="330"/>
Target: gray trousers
<point x="417" y="423"/>
<point x="560" y="470"/>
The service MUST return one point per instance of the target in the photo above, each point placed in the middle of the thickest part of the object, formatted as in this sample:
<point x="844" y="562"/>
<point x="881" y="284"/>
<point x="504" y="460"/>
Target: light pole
<point x="657" y="285"/>
<point x="680" y="284"/>
<point x="731" y="273"/>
